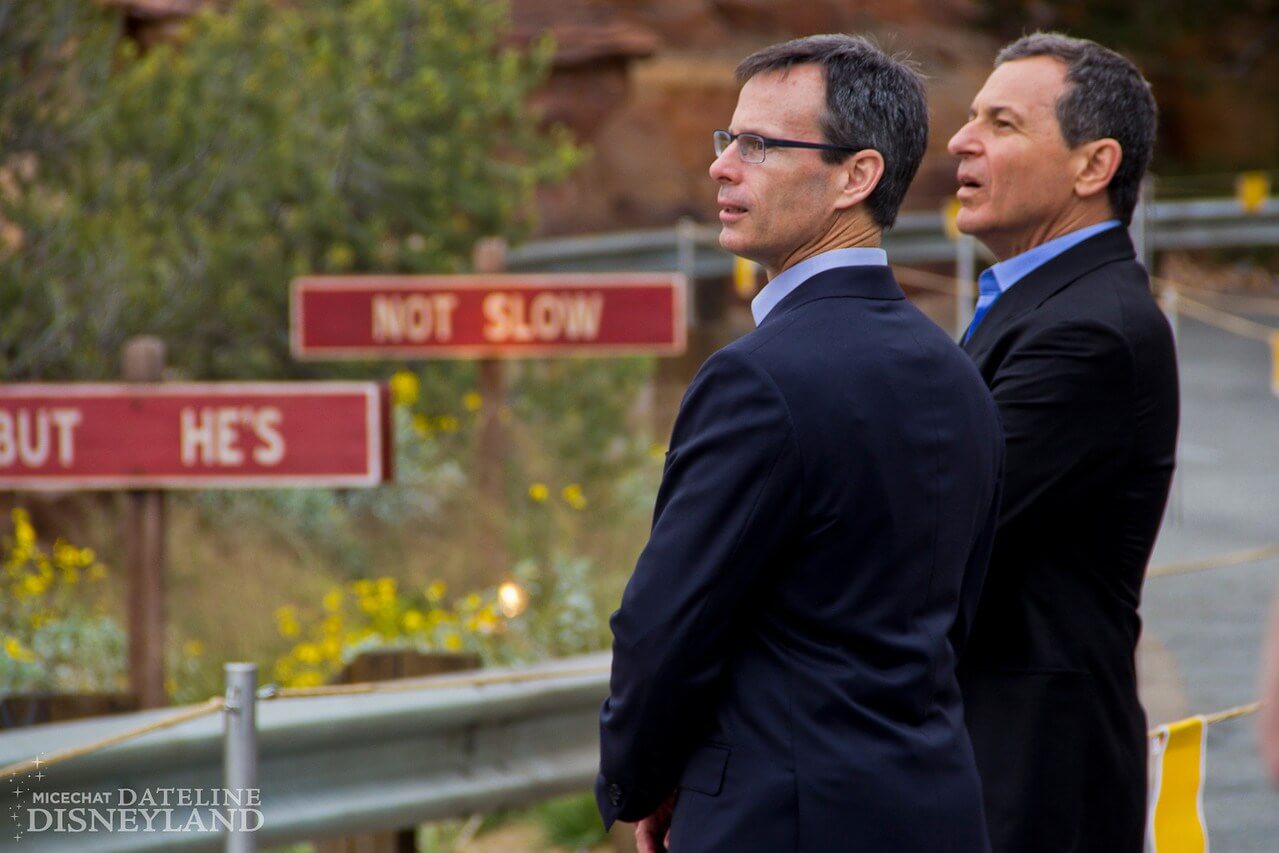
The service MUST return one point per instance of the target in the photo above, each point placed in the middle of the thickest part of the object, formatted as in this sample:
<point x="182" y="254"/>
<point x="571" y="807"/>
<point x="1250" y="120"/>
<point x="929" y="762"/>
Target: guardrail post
<point x="686" y="260"/>
<point x="1139" y="230"/>
<point x="240" y="748"/>
<point x="965" y="276"/>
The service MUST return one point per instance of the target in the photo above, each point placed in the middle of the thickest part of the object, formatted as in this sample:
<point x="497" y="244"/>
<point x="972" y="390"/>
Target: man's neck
<point x="850" y="232"/>
<point x="1010" y="245"/>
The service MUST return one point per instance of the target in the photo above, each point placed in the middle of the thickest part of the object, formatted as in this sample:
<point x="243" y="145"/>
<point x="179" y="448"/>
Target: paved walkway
<point x="1204" y="629"/>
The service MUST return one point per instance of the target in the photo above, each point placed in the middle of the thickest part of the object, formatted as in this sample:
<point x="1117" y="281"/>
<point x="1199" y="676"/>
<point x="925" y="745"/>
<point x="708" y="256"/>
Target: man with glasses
<point x="784" y="654"/>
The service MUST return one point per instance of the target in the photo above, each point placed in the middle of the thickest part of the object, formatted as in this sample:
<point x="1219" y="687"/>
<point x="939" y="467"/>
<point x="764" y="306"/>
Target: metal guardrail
<point x="918" y="237"/>
<point x="338" y="765"/>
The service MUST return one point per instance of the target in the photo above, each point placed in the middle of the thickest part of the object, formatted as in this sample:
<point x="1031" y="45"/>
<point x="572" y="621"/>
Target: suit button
<point x="615" y="794"/>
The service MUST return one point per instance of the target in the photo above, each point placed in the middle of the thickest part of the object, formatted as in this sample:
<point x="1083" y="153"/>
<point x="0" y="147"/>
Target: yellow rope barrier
<point x="1205" y="313"/>
<point x="1232" y="713"/>
<point x="937" y="282"/>
<point x="1232" y="323"/>
<point x="209" y="707"/>
<point x="1248" y="302"/>
<point x="1221" y="716"/>
<point x="1234" y="558"/>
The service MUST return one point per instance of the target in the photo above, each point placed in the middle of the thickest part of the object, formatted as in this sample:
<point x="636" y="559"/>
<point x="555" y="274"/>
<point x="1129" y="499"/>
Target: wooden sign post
<point x="144" y="552"/>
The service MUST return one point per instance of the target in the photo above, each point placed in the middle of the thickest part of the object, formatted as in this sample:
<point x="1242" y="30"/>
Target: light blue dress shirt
<point x="995" y="281"/>
<point x="789" y="279"/>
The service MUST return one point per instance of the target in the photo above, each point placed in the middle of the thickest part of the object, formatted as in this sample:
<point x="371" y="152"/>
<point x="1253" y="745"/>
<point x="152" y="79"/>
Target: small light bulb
<point x="512" y="599"/>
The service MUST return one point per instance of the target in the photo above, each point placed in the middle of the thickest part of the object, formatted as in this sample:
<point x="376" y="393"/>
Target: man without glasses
<point x="784" y="654"/>
<point x="1082" y="367"/>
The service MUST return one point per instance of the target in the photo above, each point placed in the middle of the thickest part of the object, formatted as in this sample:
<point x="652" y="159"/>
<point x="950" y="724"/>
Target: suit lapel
<point x="1029" y="293"/>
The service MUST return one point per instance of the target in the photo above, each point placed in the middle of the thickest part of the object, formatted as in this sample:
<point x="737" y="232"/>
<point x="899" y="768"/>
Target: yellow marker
<point x="1252" y="189"/>
<point x="1274" y="363"/>
<point x="950" y="217"/>
<point x="1177" y="816"/>
<point x="744" y="272"/>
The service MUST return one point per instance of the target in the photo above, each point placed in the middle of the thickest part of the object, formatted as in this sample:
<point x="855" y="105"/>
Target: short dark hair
<point x="873" y="100"/>
<point x="1106" y="97"/>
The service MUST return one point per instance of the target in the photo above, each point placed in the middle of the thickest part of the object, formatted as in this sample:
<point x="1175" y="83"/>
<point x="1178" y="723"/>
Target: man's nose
<point x="726" y="168"/>
<point x="963" y="142"/>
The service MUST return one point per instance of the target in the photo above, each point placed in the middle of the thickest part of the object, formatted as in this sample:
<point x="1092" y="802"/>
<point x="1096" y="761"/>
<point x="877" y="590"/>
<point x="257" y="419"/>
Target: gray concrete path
<point x="1203" y="630"/>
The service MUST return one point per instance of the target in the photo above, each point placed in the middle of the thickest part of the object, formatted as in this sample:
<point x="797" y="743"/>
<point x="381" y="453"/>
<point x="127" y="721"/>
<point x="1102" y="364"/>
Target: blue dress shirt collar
<point x="1008" y="272"/>
<point x="786" y="282"/>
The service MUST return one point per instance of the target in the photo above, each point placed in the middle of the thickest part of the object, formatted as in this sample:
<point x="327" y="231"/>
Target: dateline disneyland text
<point x="146" y="810"/>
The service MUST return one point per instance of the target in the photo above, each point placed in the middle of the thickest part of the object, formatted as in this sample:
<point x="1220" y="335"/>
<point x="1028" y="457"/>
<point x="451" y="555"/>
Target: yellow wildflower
<point x="386" y="588"/>
<point x="286" y="621"/>
<point x="24" y="534"/>
<point x="447" y="423"/>
<point x="309" y="653"/>
<point x="435" y="592"/>
<point x="193" y="648"/>
<point x="572" y="494"/>
<point x="405" y="388"/>
<point x="333" y="600"/>
<point x="15" y="650"/>
<point x="453" y="641"/>
<point x="413" y="620"/>
<point x="539" y="492"/>
<point x="472" y="401"/>
<point x="308" y="679"/>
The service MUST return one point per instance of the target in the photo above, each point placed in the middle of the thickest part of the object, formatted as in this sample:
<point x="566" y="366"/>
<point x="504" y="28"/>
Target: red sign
<point x="486" y="316"/>
<point x="197" y="436"/>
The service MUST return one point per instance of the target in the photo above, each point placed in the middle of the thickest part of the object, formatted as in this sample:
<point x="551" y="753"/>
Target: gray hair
<point x="873" y="100"/>
<point x="1106" y="97"/>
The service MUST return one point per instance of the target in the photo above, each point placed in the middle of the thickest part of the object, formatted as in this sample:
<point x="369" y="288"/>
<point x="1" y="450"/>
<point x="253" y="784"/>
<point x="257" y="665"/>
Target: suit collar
<point x="783" y="284"/>
<point x="1039" y="284"/>
<point x="858" y="282"/>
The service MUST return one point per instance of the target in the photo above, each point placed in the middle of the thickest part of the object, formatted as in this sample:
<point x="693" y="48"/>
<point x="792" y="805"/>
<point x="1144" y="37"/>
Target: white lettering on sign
<point x="546" y="317"/>
<point x="414" y="318"/>
<point x="28" y="437"/>
<point x="212" y="435"/>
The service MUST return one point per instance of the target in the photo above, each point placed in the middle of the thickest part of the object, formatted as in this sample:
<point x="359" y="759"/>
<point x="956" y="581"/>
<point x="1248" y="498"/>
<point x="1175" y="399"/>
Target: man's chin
<point x="731" y="240"/>
<point x="970" y="223"/>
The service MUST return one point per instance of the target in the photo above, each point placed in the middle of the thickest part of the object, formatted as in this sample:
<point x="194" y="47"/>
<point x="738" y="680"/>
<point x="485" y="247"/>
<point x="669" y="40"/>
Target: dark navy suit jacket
<point x="785" y="651"/>
<point x="1083" y="367"/>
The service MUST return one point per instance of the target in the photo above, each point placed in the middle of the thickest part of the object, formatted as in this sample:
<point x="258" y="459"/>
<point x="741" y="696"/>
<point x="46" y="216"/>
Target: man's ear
<point x="859" y="175"/>
<point x="1098" y="161"/>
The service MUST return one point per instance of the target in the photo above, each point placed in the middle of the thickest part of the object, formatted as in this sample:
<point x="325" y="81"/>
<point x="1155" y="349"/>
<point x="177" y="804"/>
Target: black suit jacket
<point x="1082" y="366"/>
<point x="785" y="651"/>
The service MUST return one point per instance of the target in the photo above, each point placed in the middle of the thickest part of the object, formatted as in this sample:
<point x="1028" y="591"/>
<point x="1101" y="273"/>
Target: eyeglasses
<point x="752" y="147"/>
